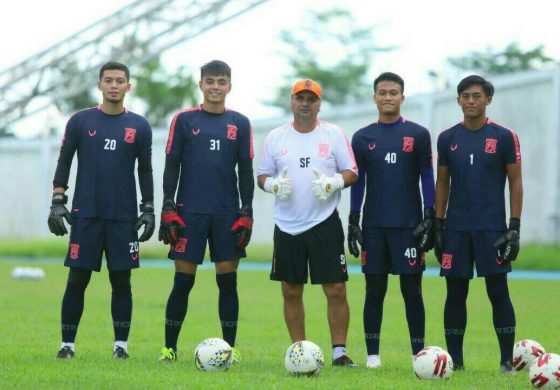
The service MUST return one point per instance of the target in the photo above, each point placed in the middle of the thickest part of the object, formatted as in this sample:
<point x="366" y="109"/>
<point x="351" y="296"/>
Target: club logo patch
<point x="408" y="144"/>
<point x="283" y="151"/>
<point x="181" y="245"/>
<point x="232" y="132"/>
<point x="453" y="147"/>
<point x="92" y="132"/>
<point x="491" y="145"/>
<point x="134" y="256"/>
<point x="371" y="146"/>
<point x="446" y="260"/>
<point x="129" y="135"/>
<point x="323" y="150"/>
<point x="195" y="131"/>
<point x="74" y="251"/>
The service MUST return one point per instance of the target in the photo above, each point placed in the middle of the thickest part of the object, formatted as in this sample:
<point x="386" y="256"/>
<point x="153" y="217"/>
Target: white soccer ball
<point x="545" y="371"/>
<point x="525" y="352"/>
<point x="213" y="354"/>
<point x="304" y="358"/>
<point x="433" y="363"/>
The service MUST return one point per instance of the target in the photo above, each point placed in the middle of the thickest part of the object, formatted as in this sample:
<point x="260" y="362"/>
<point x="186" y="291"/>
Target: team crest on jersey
<point x="195" y="131"/>
<point x="453" y="147"/>
<point x="91" y="132"/>
<point x="408" y="144"/>
<point x="181" y="245"/>
<point x="74" y="251"/>
<point x="232" y="132"/>
<point x="323" y="150"/>
<point x="129" y="135"/>
<point x="491" y="145"/>
<point x="446" y="260"/>
<point x="371" y="146"/>
<point x="283" y="151"/>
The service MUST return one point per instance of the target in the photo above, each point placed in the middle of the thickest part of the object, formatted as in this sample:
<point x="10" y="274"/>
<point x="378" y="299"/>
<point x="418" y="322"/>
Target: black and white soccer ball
<point x="525" y="352"/>
<point x="545" y="371"/>
<point x="433" y="363"/>
<point x="304" y="358"/>
<point x="213" y="354"/>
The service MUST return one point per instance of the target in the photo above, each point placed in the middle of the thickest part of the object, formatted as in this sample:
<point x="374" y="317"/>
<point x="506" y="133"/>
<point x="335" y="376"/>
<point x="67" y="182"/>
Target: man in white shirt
<point x="306" y="164"/>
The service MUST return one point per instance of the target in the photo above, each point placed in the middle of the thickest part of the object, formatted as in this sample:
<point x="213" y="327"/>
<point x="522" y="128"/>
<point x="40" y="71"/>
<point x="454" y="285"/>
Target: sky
<point x="425" y="33"/>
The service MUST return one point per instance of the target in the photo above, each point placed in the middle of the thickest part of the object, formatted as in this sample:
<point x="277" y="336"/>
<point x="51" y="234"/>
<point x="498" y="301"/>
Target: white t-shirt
<point x="326" y="148"/>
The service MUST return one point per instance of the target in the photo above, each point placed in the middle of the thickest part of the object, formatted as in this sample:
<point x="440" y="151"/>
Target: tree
<point x="511" y="59"/>
<point x="164" y="93"/>
<point x="73" y="102"/>
<point x="342" y="69"/>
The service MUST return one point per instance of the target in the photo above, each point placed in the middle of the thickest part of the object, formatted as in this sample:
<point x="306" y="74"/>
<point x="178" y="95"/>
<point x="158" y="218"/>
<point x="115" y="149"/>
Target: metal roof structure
<point x="136" y="33"/>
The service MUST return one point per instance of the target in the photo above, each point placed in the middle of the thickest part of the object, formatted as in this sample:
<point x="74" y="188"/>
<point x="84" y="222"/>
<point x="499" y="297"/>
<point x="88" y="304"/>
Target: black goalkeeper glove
<point x="355" y="236"/>
<point x="438" y="237"/>
<point x="508" y="243"/>
<point x="424" y="231"/>
<point x="243" y="227"/>
<point x="148" y="219"/>
<point x="59" y="211"/>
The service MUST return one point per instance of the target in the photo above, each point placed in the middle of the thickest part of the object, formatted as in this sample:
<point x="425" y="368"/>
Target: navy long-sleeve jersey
<point x="108" y="147"/>
<point x="477" y="165"/>
<point x="208" y="147"/>
<point x="392" y="157"/>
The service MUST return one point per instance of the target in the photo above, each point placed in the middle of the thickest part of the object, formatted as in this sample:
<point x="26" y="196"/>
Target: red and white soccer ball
<point x="525" y="352"/>
<point x="433" y="363"/>
<point x="545" y="371"/>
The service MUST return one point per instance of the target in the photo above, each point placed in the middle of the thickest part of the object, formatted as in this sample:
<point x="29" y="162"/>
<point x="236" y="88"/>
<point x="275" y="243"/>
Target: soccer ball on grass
<point x="545" y="371"/>
<point x="213" y="354"/>
<point x="525" y="352"/>
<point x="433" y="363"/>
<point x="304" y="358"/>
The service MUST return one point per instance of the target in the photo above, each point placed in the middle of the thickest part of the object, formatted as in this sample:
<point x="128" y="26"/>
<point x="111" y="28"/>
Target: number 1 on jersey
<point x="471" y="158"/>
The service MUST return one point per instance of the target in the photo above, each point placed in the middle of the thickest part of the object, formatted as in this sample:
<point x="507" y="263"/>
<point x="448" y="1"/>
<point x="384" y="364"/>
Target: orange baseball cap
<point x="307" y="85"/>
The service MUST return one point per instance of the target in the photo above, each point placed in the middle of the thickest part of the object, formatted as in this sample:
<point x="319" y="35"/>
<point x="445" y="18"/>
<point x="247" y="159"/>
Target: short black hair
<point x="388" y="76"/>
<point x="215" y="68"/>
<point x="471" y="80"/>
<point x="112" y="65"/>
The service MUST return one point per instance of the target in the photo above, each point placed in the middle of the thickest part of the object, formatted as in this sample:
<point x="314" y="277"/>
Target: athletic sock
<point x="376" y="288"/>
<point x="411" y="289"/>
<point x="71" y="345"/>
<point x="503" y="314"/>
<point x="72" y="309"/>
<point x="122" y="344"/>
<point x="176" y="309"/>
<point x="338" y="351"/>
<point x="455" y="317"/>
<point x="228" y="305"/>
<point x="121" y="303"/>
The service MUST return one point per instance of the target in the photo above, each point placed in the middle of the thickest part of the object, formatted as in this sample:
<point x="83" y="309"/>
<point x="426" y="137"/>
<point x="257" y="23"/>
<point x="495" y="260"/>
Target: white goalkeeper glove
<point x="281" y="185"/>
<point x="324" y="186"/>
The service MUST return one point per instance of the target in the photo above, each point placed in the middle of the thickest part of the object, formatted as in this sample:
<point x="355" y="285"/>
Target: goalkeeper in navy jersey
<point x="393" y="155"/>
<point x="475" y="157"/>
<point x="109" y="140"/>
<point x="204" y="147"/>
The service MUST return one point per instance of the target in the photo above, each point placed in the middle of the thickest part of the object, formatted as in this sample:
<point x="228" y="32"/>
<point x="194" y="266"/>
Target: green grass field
<point x="30" y="316"/>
